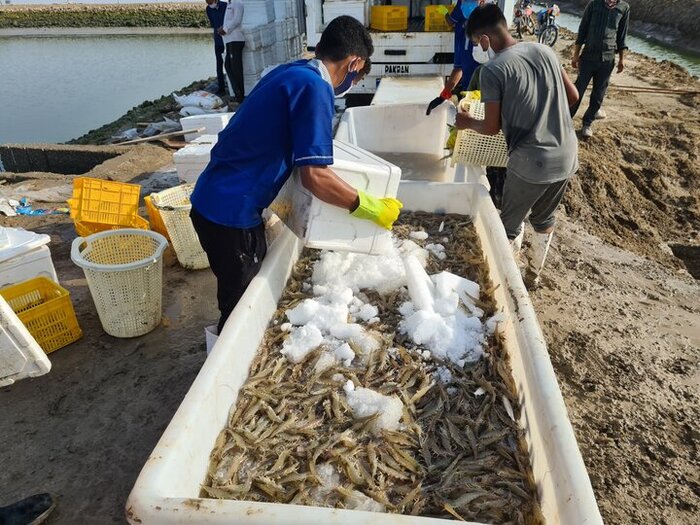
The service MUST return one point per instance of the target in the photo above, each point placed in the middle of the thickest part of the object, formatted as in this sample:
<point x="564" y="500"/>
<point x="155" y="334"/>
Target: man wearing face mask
<point x="464" y="63"/>
<point x="215" y="13"/>
<point x="285" y="123"/>
<point x="526" y="93"/>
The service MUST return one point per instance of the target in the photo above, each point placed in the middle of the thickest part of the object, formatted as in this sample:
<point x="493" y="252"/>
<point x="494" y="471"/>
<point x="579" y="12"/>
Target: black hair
<point x="344" y="36"/>
<point x="484" y="19"/>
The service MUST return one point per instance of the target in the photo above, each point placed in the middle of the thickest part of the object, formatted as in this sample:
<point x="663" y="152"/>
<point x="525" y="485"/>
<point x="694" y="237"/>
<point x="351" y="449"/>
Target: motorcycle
<point x="522" y="20"/>
<point x="548" y="31"/>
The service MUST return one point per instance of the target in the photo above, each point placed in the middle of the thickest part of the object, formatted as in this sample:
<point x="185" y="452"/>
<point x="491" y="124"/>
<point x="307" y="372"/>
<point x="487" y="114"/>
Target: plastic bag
<point x="200" y="99"/>
<point x="189" y="111"/>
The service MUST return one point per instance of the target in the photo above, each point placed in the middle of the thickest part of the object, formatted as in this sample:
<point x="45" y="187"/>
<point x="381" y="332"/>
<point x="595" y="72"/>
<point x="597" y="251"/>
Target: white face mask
<point x="482" y="56"/>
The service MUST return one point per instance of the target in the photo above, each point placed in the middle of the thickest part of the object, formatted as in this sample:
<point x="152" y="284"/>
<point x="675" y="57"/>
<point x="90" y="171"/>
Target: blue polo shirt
<point x="285" y="122"/>
<point x="464" y="59"/>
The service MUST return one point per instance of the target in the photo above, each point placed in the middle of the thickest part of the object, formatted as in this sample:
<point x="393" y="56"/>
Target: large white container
<point x="212" y="123"/>
<point x="403" y="135"/>
<point x="355" y="9"/>
<point x="20" y="354"/>
<point x="258" y="12"/>
<point x="328" y="227"/>
<point x="167" y="490"/>
<point x="23" y="256"/>
<point x="254" y="60"/>
<point x="407" y="90"/>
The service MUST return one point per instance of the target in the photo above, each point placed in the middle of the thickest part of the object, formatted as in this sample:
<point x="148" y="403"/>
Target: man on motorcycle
<point x="602" y="34"/>
<point x="526" y="93"/>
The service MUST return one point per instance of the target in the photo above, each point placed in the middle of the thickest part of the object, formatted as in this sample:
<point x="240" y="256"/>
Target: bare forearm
<point x="577" y="50"/>
<point x="327" y="186"/>
<point x="453" y="79"/>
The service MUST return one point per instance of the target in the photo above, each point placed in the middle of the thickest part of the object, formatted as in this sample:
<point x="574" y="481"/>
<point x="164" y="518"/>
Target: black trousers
<point x="234" y="68"/>
<point x="599" y="71"/>
<point x="220" y="51"/>
<point x="235" y="256"/>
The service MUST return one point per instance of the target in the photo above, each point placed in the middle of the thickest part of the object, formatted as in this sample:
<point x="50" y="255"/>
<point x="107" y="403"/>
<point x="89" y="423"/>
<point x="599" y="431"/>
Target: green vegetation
<point x="151" y="15"/>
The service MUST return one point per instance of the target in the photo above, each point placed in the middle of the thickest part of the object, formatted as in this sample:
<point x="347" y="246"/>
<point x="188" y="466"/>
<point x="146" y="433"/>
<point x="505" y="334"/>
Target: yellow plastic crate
<point x="46" y="311"/>
<point x="157" y="224"/>
<point x="83" y="229"/>
<point x="104" y="201"/>
<point x="389" y="18"/>
<point x="435" y="20"/>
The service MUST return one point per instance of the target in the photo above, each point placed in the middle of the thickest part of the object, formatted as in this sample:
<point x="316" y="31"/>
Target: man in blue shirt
<point x="464" y="63"/>
<point x="215" y="12"/>
<point x="285" y="123"/>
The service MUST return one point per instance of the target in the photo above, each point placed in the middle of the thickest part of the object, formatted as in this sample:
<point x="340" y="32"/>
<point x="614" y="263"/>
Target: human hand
<point x="464" y="120"/>
<point x="382" y="211"/>
<point x="575" y="61"/>
<point x="221" y="31"/>
<point x="620" y="66"/>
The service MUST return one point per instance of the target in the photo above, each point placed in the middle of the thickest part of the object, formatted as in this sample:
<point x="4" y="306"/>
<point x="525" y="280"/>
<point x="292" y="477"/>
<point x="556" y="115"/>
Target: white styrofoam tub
<point x="167" y="490"/>
<point x="405" y="128"/>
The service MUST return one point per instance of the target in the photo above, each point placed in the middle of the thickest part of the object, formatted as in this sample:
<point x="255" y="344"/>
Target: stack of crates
<point x="98" y="205"/>
<point x="275" y="39"/>
<point x="389" y="18"/>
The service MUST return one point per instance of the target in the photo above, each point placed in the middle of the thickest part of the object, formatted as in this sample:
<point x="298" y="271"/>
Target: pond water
<point x="646" y="47"/>
<point x="57" y="88"/>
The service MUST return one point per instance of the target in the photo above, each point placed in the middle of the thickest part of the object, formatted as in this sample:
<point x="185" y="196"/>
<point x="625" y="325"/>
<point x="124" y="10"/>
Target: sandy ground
<point x="620" y="313"/>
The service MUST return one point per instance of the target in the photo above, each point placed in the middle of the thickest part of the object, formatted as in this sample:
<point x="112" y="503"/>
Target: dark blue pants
<point x="219" y="51"/>
<point x="599" y="71"/>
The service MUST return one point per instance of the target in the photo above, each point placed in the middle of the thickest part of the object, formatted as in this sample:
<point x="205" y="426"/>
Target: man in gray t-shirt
<point x="527" y="94"/>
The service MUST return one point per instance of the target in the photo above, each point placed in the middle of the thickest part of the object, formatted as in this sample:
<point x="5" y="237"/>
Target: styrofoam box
<point x="207" y="139"/>
<point x="280" y="30"/>
<point x="253" y="37"/>
<point x="24" y="257"/>
<point x="250" y="81"/>
<point x="283" y="9"/>
<point x="20" y="354"/>
<point x="328" y="227"/>
<point x="191" y="160"/>
<point x="168" y="489"/>
<point x="254" y="60"/>
<point x="268" y="34"/>
<point x="357" y="10"/>
<point x="281" y="54"/>
<point x="212" y="123"/>
<point x="258" y="12"/>
<point x="269" y="56"/>
<point x="292" y="27"/>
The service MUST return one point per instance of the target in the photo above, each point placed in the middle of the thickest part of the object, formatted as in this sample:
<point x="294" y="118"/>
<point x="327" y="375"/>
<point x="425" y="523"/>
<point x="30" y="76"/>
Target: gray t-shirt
<point x="527" y="80"/>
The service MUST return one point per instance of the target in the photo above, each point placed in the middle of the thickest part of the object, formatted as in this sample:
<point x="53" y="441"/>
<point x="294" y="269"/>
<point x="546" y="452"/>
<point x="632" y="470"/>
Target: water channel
<point x="53" y="89"/>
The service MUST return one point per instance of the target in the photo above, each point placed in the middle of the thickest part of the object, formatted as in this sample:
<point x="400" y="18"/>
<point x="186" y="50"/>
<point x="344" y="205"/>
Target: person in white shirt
<point x="232" y="34"/>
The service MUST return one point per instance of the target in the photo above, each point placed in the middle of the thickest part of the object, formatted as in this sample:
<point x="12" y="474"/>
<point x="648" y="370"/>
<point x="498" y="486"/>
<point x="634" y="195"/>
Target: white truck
<point x="398" y="53"/>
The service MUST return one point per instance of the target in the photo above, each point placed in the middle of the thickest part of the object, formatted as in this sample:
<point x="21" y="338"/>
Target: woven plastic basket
<point x="124" y="270"/>
<point x="477" y="149"/>
<point x="174" y="207"/>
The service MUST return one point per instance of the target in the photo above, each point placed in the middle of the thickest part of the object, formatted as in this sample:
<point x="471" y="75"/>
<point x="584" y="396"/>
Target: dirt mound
<point x="638" y="186"/>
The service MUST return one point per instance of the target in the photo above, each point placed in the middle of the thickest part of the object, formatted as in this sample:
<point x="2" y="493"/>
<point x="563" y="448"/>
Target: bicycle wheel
<point x="549" y="35"/>
<point x="530" y="25"/>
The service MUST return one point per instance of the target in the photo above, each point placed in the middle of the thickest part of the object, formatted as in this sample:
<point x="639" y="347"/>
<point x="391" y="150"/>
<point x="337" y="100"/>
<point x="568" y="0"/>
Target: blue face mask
<point x="346" y="84"/>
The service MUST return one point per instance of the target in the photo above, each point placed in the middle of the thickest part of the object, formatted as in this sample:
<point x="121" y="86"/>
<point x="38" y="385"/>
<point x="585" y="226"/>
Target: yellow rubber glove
<point x="382" y="211"/>
<point x="442" y="10"/>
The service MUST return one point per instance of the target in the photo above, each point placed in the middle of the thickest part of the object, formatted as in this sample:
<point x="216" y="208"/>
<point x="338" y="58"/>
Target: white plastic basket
<point x="124" y="271"/>
<point x="174" y="206"/>
<point x="476" y="149"/>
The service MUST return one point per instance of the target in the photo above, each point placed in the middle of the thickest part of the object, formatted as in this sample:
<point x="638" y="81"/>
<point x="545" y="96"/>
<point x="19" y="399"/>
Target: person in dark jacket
<point x="602" y="34"/>
<point x="215" y="12"/>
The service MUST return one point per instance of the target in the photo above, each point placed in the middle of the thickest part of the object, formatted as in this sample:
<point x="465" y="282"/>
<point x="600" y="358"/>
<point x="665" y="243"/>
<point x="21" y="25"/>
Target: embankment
<point x="80" y="15"/>
<point x="673" y="22"/>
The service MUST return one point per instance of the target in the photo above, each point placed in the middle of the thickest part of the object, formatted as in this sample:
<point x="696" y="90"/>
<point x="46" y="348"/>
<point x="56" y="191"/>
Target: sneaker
<point x="29" y="511"/>
<point x="601" y="114"/>
<point x="586" y="132"/>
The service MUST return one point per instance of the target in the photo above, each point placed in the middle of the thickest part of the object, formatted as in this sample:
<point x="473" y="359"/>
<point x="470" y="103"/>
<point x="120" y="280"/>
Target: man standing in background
<point x="232" y="34"/>
<point x="215" y="13"/>
<point x="464" y="63"/>
<point x="602" y="33"/>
